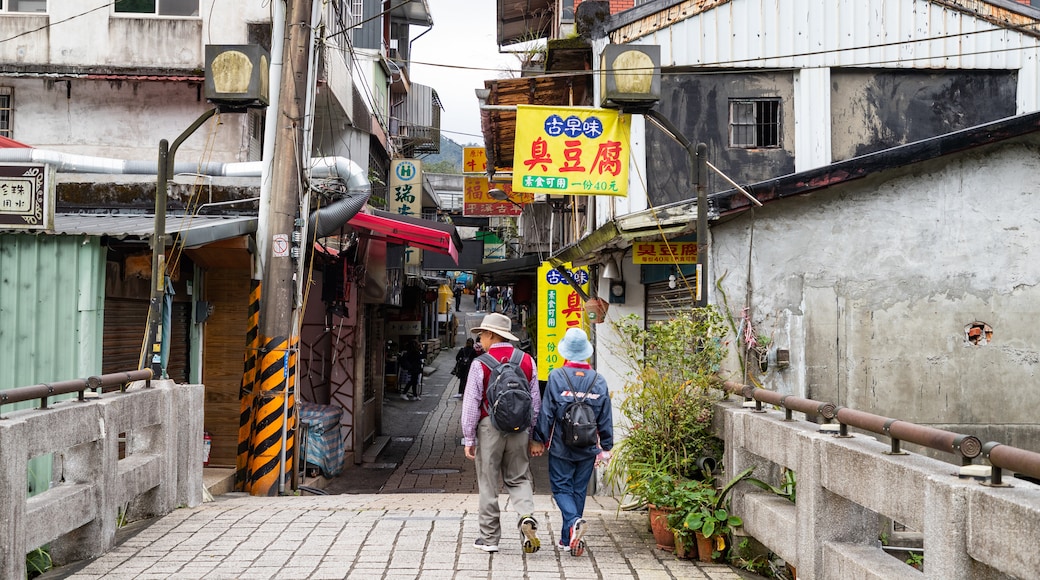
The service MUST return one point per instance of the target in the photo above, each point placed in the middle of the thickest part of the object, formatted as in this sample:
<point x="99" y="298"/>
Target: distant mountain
<point x="449" y="160"/>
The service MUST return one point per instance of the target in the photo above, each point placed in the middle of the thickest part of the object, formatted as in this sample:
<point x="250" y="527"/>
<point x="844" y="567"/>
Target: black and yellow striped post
<point x="245" y="394"/>
<point x="275" y="413"/>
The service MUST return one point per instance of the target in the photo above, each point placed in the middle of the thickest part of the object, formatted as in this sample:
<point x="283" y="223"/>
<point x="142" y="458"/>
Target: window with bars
<point x="754" y="123"/>
<point x="158" y="7"/>
<point x="23" y="6"/>
<point x="256" y="135"/>
<point x="6" y="110"/>
<point x="357" y="12"/>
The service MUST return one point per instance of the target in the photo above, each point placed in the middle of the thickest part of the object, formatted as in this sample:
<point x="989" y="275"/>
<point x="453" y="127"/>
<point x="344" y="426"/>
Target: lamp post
<point x="236" y="80"/>
<point x="630" y="80"/>
<point x="151" y="352"/>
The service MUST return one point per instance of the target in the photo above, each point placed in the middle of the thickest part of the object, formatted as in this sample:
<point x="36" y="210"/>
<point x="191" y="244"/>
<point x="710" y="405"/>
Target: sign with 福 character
<point x="571" y="150"/>
<point x="26" y="196"/>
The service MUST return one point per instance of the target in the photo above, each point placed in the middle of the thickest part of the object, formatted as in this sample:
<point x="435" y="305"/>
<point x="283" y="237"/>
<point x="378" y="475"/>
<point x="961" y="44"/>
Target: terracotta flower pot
<point x="685" y="549"/>
<point x="659" y="525"/>
<point x="705" y="546"/>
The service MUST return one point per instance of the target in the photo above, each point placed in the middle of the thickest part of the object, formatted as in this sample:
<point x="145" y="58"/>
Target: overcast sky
<point x="462" y="53"/>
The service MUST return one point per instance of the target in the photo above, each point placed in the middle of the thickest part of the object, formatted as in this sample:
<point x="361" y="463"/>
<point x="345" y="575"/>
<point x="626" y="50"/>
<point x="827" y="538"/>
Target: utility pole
<point x="273" y="427"/>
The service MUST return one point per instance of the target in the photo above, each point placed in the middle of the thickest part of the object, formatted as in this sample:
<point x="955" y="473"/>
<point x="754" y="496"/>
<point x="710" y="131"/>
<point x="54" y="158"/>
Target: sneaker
<point x="484" y="545"/>
<point x="529" y="531"/>
<point x="561" y="546"/>
<point x="577" y="532"/>
<point x="406" y="397"/>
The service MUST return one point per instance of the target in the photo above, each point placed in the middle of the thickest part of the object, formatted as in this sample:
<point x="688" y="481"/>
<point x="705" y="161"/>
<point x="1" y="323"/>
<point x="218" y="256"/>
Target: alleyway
<point x="424" y="454"/>
<point x="408" y="513"/>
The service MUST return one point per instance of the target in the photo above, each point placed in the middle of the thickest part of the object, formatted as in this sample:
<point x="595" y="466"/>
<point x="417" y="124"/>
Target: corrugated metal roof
<point x="193" y="230"/>
<point x="943" y="34"/>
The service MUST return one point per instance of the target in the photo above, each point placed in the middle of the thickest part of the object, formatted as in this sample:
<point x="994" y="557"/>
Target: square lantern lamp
<point x="237" y="76"/>
<point x="630" y="77"/>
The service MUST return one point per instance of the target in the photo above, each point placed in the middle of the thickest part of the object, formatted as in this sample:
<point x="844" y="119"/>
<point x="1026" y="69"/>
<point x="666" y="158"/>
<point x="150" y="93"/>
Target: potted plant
<point x="687" y="497"/>
<point x="668" y="403"/>
<point x="668" y="406"/>
<point x="709" y="519"/>
<point x="654" y="486"/>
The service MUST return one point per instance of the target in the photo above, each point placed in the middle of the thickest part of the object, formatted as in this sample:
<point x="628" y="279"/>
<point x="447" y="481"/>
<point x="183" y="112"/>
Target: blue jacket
<point x="554" y="403"/>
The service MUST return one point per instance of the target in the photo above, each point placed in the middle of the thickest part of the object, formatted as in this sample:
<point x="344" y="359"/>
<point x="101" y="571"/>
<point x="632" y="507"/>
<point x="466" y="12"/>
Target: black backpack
<point x="578" y="426"/>
<point x="508" y="393"/>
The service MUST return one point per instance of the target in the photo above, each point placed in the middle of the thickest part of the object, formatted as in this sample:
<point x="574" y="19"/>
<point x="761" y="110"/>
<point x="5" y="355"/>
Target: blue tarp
<point x="324" y="443"/>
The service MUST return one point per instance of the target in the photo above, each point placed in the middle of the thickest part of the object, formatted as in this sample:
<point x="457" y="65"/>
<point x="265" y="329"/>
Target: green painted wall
<point x="52" y="295"/>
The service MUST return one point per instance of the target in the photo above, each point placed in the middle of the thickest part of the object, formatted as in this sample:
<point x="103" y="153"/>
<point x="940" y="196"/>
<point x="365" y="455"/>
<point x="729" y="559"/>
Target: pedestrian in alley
<point x="500" y="455"/>
<point x="478" y="295"/>
<point x="457" y="291"/>
<point x="463" y="360"/>
<point x="571" y="465"/>
<point x="412" y="362"/>
<point x="493" y="294"/>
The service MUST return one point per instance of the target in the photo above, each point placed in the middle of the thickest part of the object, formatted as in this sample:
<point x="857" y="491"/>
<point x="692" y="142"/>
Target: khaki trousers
<point x="502" y="460"/>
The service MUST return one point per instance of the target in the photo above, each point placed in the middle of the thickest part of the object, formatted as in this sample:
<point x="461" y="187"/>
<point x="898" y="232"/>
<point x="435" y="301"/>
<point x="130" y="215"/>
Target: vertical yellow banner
<point x="406" y="197"/>
<point x="559" y="308"/>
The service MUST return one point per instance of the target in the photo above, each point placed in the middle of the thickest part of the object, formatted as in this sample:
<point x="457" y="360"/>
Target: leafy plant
<point x="916" y="560"/>
<point x="38" y="561"/>
<point x="710" y="516"/>
<point x="670" y="399"/>
<point x="786" y="489"/>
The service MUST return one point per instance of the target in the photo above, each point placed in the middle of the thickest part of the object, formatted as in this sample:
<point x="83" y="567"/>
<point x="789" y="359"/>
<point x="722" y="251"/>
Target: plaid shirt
<point x="476" y="382"/>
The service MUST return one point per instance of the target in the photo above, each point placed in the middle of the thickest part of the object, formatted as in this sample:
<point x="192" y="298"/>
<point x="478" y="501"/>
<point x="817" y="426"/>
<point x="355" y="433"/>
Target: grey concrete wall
<point x="77" y="516"/>
<point x="846" y="486"/>
<point x="873" y="110"/>
<point x="870" y="285"/>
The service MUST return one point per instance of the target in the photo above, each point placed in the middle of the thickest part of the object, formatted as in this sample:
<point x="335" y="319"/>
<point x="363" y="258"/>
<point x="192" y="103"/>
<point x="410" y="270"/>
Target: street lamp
<point x="502" y="195"/>
<point x="630" y="80"/>
<point x="236" y="81"/>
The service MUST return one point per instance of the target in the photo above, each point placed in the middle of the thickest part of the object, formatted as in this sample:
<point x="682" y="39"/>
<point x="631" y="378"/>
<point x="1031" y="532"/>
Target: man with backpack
<point x="499" y="409"/>
<point x="576" y="425"/>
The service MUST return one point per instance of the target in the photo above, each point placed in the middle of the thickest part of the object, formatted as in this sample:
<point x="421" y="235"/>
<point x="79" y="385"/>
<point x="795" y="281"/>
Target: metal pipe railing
<point x="44" y="391"/>
<point x="966" y="446"/>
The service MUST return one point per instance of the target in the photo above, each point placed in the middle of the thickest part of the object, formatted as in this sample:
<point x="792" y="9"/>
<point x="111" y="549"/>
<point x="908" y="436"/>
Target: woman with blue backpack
<point x="576" y="426"/>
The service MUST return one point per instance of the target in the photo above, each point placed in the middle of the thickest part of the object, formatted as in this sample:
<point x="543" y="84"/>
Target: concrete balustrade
<point x="847" y="485"/>
<point x="91" y="485"/>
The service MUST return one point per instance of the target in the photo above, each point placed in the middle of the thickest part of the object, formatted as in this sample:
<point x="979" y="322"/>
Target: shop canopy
<point x="416" y="232"/>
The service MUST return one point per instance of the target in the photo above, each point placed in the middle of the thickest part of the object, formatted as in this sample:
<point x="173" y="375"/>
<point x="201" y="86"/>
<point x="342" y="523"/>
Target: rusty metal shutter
<point x="125" y="320"/>
<point x="662" y="301"/>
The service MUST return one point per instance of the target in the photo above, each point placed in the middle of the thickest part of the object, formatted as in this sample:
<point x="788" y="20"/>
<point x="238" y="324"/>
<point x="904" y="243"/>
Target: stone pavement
<point x="421" y="525"/>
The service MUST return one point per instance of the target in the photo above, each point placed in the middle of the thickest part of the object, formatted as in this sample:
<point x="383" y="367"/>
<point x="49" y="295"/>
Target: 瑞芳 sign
<point x="571" y="150"/>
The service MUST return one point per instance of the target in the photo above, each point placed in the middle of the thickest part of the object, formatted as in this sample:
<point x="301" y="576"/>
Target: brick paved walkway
<point x="422" y="525"/>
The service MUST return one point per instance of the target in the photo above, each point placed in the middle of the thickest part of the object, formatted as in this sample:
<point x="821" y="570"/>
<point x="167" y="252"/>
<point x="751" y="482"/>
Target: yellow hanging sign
<point x="571" y="150"/>
<point x="664" y="253"/>
<point x="560" y="307"/>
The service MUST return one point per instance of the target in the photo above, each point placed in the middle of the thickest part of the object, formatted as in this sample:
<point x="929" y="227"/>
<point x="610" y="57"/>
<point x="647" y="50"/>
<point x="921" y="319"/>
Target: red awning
<point x="7" y="143"/>
<point x="417" y="232"/>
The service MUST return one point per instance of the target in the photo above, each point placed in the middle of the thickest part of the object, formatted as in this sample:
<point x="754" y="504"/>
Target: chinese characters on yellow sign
<point x="406" y="197"/>
<point x="474" y="160"/>
<point x="571" y="150"/>
<point x="25" y="200"/>
<point x="560" y="307"/>
<point x="477" y="202"/>
<point x="664" y="253"/>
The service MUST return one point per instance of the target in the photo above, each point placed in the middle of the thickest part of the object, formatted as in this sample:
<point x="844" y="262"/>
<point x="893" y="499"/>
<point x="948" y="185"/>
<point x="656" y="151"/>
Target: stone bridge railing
<point x="848" y="486"/>
<point x="124" y="454"/>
